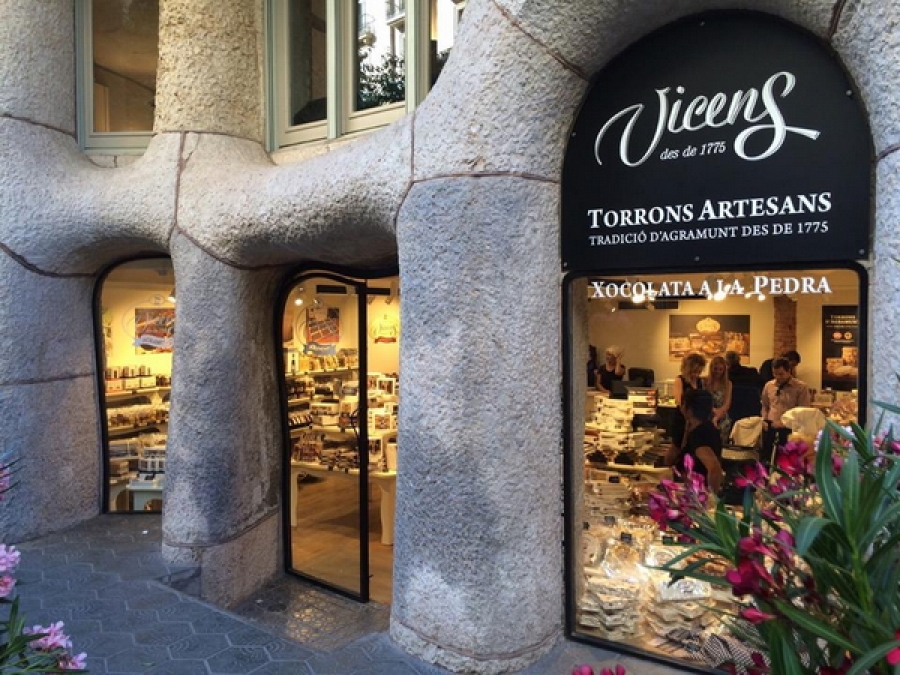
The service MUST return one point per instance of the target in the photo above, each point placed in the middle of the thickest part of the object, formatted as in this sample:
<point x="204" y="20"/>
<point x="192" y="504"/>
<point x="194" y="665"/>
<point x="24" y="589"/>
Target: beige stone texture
<point x="477" y="559"/>
<point x="338" y="207"/>
<point x="586" y="35"/>
<point x="37" y="76"/>
<point x="210" y="74"/>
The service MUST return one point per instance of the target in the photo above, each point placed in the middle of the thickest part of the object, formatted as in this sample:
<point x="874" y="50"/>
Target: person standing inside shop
<point x="592" y="366"/>
<point x="612" y="369"/>
<point x="702" y="440"/>
<point x="739" y="373"/>
<point x="765" y="370"/>
<point x="782" y="393"/>
<point x="718" y="384"/>
<point x="689" y="378"/>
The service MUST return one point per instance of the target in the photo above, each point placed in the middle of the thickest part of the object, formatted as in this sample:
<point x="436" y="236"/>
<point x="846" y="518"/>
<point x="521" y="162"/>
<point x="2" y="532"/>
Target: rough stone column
<point x="478" y="557"/>
<point x="48" y="394"/>
<point x="37" y="71"/>
<point x="223" y="470"/>
<point x="210" y="74"/>
<point x="867" y="43"/>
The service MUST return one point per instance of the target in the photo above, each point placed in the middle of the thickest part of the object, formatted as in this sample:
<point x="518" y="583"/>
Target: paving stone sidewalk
<point x="132" y="613"/>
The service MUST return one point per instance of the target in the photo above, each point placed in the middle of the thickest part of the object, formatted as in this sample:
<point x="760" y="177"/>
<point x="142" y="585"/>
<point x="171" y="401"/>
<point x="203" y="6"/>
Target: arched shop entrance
<point x="715" y="199"/>
<point x="339" y="340"/>
<point x="135" y="327"/>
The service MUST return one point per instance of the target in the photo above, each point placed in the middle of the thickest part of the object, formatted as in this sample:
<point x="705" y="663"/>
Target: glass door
<point x="324" y="349"/>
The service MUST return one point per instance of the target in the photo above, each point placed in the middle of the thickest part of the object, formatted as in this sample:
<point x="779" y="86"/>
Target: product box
<point x="131" y="383"/>
<point x="114" y="385"/>
<point x="147" y="382"/>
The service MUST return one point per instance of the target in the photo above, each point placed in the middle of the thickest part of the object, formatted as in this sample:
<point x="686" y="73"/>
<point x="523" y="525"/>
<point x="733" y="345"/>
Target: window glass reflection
<point x="445" y="19"/>
<point x="308" y="69"/>
<point x="125" y="51"/>
<point x="380" y="53"/>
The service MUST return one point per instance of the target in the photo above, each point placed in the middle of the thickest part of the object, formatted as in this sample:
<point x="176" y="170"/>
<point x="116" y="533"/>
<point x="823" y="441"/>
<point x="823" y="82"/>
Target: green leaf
<point x="871" y="658"/>
<point x="831" y="498"/>
<point x="805" y="535"/>
<point x="814" y="626"/>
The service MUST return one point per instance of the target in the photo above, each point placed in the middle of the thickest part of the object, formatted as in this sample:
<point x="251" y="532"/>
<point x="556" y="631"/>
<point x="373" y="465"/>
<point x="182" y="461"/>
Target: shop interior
<point x="651" y="323"/>
<point x="332" y="382"/>
<point x="341" y="358"/>
<point x="137" y="319"/>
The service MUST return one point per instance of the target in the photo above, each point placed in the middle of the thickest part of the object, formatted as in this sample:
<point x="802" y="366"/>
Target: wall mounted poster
<point x="710" y="335"/>
<point x="154" y="330"/>
<point x="840" y="346"/>
<point x="323" y="330"/>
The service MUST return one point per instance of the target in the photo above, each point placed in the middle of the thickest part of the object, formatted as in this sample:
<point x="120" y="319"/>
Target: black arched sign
<point x="724" y="139"/>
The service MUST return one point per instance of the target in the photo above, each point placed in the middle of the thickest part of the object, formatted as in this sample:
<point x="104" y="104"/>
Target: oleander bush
<point x="23" y="648"/>
<point x="813" y="555"/>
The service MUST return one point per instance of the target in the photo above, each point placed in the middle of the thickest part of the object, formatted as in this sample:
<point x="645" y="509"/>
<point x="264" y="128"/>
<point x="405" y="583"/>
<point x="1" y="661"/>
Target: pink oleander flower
<point x="753" y="544"/>
<point x="72" y="661"/>
<point x="755" y="475"/>
<point x="583" y="669"/>
<point x="893" y="656"/>
<point x="748" y="578"/>
<point x="7" y="582"/>
<point x="793" y="459"/>
<point x="755" y="616"/>
<point x="54" y="637"/>
<point x="9" y="559"/>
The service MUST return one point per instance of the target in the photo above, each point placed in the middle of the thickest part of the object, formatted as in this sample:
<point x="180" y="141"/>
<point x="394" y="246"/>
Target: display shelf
<point x="308" y="373"/>
<point x="115" y="431"/>
<point x="295" y="401"/>
<point x="136" y="392"/>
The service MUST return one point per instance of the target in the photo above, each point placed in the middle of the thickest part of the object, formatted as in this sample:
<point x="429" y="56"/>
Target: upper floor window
<point x="118" y="46"/>
<point x="344" y="66"/>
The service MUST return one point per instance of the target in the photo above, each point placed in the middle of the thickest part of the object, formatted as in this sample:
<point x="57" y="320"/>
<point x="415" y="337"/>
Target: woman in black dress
<point x="702" y="441"/>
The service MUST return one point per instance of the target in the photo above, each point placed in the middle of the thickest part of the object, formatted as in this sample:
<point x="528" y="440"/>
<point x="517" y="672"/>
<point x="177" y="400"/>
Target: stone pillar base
<point x="460" y="661"/>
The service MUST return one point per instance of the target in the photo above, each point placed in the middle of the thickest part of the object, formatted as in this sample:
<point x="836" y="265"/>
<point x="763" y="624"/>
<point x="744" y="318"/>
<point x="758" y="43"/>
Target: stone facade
<point x="464" y="194"/>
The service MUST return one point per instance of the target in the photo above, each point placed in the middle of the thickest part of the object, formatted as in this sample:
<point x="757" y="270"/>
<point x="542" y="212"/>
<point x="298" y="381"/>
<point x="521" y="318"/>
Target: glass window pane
<point x="646" y="339"/>
<point x="307" y="64"/>
<point x="445" y="18"/>
<point x="125" y="47"/>
<point x="138" y="324"/>
<point x="380" y="53"/>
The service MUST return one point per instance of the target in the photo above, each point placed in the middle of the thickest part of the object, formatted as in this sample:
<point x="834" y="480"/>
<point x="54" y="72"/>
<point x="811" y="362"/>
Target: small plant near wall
<point x="28" y="649"/>
<point x="812" y="556"/>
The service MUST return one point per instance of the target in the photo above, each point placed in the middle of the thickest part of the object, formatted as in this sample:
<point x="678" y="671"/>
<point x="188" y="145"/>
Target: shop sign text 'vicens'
<point x="728" y="138"/>
<point x="757" y="285"/>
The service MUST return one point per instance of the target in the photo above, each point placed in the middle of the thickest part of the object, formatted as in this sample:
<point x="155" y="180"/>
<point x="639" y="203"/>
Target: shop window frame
<point x="573" y="470"/>
<point x="100" y="367"/>
<point x="341" y="118"/>
<point x="90" y="141"/>
<point x="339" y="274"/>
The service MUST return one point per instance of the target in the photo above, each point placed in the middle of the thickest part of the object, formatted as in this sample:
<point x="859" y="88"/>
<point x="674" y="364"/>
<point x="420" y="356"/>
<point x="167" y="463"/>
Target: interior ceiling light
<point x="317" y="302"/>
<point x="639" y="295"/>
<point x="298" y="302"/>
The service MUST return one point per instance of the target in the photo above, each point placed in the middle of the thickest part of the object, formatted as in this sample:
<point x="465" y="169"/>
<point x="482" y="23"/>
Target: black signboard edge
<point x="827" y="46"/>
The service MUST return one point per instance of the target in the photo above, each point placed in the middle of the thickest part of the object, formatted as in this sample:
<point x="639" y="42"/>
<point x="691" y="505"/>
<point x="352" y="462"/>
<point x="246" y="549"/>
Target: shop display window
<point x="641" y="329"/>
<point x="136" y="329"/>
<point x="340" y="344"/>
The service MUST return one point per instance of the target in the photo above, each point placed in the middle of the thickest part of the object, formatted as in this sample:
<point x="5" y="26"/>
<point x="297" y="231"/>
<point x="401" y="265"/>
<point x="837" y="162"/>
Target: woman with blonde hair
<point x="692" y="366"/>
<point x="612" y="369"/>
<point x="718" y="384"/>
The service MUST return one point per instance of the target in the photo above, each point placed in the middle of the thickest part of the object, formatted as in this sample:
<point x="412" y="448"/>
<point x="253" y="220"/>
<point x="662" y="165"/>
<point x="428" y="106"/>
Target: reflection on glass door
<point x="136" y="334"/>
<point x="328" y="482"/>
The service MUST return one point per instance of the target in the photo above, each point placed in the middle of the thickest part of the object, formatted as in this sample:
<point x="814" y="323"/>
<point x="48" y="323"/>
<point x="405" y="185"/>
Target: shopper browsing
<point x="703" y="442"/>
<point x="718" y="384"/>
<point x="782" y="393"/>
<point x="612" y="369"/>
<point x="689" y="378"/>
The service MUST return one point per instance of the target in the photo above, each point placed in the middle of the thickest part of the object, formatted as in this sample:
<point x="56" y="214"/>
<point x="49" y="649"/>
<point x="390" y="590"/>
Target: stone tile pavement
<point x="132" y="613"/>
